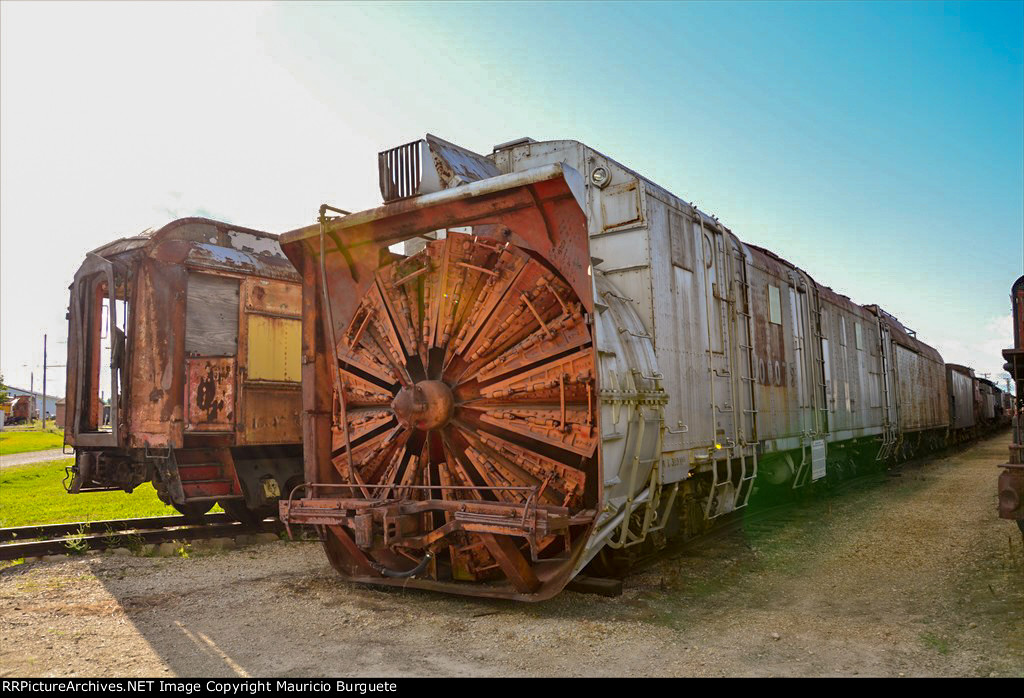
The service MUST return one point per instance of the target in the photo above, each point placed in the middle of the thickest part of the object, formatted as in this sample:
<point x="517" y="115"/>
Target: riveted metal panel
<point x="271" y="414"/>
<point x="922" y="386"/>
<point x="275" y="346"/>
<point x="621" y="205"/>
<point x="273" y="298"/>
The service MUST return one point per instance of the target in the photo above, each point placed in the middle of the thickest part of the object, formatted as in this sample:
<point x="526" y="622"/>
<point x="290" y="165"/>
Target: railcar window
<point x="859" y="335"/>
<point x="681" y="241"/>
<point x="112" y="349"/>
<point x="774" y="305"/>
<point x="211" y="316"/>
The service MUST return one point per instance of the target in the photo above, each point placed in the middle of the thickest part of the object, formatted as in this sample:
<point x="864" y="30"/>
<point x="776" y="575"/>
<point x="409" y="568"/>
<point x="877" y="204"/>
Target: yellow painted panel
<point x="275" y="348"/>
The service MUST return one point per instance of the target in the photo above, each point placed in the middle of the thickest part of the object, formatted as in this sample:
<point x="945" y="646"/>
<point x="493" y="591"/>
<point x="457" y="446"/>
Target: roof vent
<point x="429" y="165"/>
<point x="401" y="170"/>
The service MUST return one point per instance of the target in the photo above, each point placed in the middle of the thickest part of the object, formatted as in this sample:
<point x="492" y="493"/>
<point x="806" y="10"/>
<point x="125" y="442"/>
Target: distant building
<point x="51" y="400"/>
<point x="60" y="413"/>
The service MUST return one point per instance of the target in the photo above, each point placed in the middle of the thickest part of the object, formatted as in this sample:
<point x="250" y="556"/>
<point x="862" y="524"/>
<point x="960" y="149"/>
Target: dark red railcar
<point x="1011" y="480"/>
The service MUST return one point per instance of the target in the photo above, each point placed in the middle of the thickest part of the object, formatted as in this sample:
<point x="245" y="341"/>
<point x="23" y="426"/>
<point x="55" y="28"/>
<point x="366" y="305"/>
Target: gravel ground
<point x="913" y="575"/>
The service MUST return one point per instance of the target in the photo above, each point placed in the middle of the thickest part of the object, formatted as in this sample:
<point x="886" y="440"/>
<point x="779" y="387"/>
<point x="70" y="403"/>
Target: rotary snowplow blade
<point x="451" y="424"/>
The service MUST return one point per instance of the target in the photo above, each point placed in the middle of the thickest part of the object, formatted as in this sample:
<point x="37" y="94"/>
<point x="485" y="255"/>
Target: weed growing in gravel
<point x="935" y="642"/>
<point x="184" y="550"/>
<point x="76" y="544"/>
<point x="131" y="541"/>
<point x="134" y="542"/>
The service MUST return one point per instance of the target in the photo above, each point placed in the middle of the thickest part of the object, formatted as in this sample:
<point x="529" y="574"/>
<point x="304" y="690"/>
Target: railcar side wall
<point x="754" y="355"/>
<point x="853" y="368"/>
<point x="961" y="398"/>
<point x="788" y="395"/>
<point x="921" y="383"/>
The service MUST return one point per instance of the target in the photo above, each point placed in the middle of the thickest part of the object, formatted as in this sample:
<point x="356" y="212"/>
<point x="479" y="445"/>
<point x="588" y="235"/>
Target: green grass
<point x="17" y="441"/>
<point x="935" y="642"/>
<point x="33" y="495"/>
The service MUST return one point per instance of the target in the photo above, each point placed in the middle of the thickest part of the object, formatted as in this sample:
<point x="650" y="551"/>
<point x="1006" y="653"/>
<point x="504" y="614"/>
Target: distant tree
<point x="3" y="391"/>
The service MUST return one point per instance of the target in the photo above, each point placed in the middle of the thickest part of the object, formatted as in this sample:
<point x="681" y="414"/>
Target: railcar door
<point x="798" y="310"/>
<point x="98" y="347"/>
<point x="211" y="344"/>
<point x="269" y="363"/>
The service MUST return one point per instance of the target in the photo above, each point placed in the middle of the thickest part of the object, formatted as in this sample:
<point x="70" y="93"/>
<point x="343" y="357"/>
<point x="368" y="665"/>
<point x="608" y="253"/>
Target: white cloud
<point x="982" y="348"/>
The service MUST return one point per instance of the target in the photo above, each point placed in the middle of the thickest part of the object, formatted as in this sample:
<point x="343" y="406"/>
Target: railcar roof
<point x="206" y="243"/>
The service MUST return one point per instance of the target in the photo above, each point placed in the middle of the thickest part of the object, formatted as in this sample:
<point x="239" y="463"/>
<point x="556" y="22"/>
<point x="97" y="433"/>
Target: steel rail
<point x="21" y="533"/>
<point x="58" y="539"/>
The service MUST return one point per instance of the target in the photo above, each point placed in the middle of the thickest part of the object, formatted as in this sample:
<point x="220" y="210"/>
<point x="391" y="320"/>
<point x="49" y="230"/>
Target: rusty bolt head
<point x="426" y="405"/>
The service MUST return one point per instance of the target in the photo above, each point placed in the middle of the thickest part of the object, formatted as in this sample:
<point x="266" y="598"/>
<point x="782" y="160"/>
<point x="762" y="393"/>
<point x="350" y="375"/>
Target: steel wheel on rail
<point x="194" y="511"/>
<point x="238" y="510"/>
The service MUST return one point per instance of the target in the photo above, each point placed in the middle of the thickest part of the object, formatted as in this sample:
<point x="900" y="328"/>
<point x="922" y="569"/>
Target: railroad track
<point x="70" y="538"/>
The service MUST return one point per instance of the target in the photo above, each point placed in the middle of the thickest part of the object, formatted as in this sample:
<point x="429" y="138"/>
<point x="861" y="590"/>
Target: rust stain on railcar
<point x="270" y="414"/>
<point x="920" y="376"/>
<point x="211" y="394"/>
<point x="155" y="411"/>
<point x="268" y="297"/>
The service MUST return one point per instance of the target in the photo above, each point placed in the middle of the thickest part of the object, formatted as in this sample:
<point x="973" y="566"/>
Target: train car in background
<point x="914" y="389"/>
<point x="961" y="385"/>
<point x="1008" y="411"/>
<point x="188" y="337"/>
<point x="991" y="406"/>
<point x="22" y="410"/>
<point x="987" y="398"/>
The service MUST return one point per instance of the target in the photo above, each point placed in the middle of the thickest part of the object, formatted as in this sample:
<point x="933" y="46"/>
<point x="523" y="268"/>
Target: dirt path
<point x="13" y="459"/>
<point x="914" y="575"/>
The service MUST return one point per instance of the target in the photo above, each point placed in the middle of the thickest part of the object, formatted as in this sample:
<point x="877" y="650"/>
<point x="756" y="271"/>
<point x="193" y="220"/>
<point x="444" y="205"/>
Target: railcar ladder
<point x="743" y="484"/>
<point x="803" y="471"/>
<point x="891" y="435"/>
<point x="749" y="434"/>
<point x="821" y="378"/>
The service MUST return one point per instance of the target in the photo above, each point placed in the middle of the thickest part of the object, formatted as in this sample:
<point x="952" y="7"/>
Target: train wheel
<point x="237" y="510"/>
<point x="194" y="511"/>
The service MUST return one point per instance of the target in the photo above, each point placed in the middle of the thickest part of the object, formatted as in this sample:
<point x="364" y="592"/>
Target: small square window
<point x="774" y="305"/>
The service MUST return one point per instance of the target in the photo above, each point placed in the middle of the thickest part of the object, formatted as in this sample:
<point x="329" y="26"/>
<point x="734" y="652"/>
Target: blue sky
<point x="880" y="146"/>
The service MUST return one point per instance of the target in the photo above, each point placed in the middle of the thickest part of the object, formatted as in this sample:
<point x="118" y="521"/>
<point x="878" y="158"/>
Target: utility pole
<point x="32" y="392"/>
<point x="42" y="412"/>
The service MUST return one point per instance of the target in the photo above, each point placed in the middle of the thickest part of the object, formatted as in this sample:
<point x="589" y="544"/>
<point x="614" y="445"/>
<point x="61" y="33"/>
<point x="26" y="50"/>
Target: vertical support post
<point x="42" y="410"/>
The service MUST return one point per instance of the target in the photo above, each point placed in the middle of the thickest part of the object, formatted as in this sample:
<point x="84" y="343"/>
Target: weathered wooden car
<point x="188" y="337"/>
